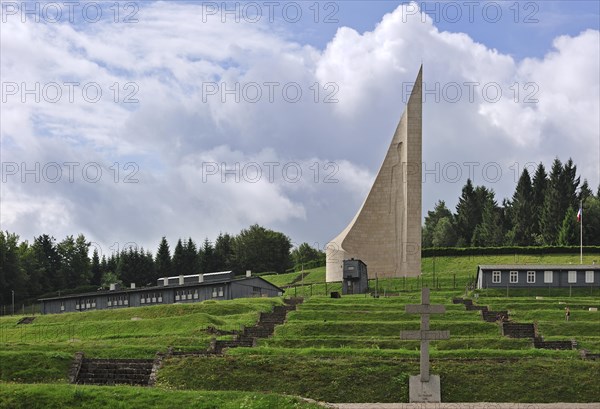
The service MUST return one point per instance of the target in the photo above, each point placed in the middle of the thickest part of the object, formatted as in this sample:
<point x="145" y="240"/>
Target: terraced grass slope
<point x="348" y="350"/>
<point x="337" y="350"/>
<point x="42" y="351"/>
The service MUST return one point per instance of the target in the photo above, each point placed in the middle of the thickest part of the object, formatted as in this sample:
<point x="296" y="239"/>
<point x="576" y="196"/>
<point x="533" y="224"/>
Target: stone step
<point x="115" y="371"/>
<point x="493" y="316"/>
<point x="560" y="345"/>
<point x="472" y="307"/>
<point x="518" y="330"/>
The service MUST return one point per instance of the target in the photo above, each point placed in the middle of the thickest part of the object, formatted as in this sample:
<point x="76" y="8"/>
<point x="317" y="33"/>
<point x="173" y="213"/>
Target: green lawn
<point x="337" y="350"/>
<point x="17" y="396"/>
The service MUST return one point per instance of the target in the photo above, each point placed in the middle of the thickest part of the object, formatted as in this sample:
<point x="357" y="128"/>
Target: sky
<point x="130" y="121"/>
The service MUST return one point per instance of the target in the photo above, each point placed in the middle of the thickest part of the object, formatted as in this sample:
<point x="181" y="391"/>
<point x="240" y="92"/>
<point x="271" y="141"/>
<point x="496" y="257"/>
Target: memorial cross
<point x="425" y="334"/>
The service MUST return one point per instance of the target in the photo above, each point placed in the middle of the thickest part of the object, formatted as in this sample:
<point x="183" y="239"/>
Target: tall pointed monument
<point x="386" y="231"/>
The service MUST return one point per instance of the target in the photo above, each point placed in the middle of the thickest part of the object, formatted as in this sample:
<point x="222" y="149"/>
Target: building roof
<point x="196" y="275"/>
<point x="539" y="266"/>
<point x="157" y="288"/>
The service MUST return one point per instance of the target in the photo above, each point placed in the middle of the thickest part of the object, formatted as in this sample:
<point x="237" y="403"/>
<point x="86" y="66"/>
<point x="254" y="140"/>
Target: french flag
<point x="579" y="213"/>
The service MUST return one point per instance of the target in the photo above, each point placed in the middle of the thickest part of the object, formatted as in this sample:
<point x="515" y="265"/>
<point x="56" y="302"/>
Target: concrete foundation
<point x="424" y="391"/>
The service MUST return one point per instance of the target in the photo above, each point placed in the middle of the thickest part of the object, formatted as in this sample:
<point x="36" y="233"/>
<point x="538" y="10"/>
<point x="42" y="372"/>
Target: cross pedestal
<point x="425" y="387"/>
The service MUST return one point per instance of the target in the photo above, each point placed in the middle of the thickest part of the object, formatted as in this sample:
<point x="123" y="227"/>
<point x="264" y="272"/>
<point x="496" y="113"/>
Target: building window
<point x="531" y="277"/>
<point x="94" y="303"/>
<point x="109" y="303"/>
<point x="495" y="277"/>
<point x="143" y="299"/>
<point x="589" y="277"/>
<point x="214" y="292"/>
<point x="77" y="306"/>
<point x="62" y="305"/>
<point x="572" y="278"/>
<point x="195" y="294"/>
<point x="159" y="297"/>
<point x="220" y="291"/>
<point x="514" y="276"/>
<point x="548" y="277"/>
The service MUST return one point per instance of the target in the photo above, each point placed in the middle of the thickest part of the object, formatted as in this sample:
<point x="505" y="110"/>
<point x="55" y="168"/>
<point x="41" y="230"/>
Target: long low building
<point x="169" y="290"/>
<point x="537" y="275"/>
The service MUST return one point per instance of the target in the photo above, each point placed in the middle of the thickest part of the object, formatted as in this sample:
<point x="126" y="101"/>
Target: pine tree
<point x="96" y="268"/>
<point x="488" y="233"/>
<point x="190" y="258"/>
<point x="539" y="187"/>
<point x="522" y="212"/>
<point x="163" y="259"/>
<point x="554" y="208"/>
<point x="570" y="185"/>
<point x="224" y="254"/>
<point x="178" y="256"/>
<point x="206" y="257"/>
<point x="584" y="192"/>
<point x="468" y="214"/>
<point x="568" y="233"/>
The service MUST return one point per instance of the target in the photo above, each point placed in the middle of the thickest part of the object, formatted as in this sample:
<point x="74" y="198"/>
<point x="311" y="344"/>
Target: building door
<point x="350" y="287"/>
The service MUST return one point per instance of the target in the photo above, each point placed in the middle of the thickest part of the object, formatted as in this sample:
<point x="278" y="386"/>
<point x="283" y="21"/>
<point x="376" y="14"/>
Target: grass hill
<point x="337" y="350"/>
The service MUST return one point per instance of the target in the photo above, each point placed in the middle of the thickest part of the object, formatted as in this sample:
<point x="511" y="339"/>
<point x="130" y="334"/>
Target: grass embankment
<point x="16" y="396"/>
<point x="359" y="378"/>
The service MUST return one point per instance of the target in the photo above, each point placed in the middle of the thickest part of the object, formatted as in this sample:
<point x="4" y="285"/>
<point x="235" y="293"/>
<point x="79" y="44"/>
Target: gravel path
<point x="482" y="405"/>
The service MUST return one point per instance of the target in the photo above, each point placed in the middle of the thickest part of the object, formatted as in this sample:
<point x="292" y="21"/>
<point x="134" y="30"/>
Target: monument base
<point x="424" y="391"/>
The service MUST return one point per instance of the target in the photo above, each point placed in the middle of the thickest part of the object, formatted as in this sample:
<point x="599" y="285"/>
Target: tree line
<point x="542" y="212"/>
<point x="46" y="267"/>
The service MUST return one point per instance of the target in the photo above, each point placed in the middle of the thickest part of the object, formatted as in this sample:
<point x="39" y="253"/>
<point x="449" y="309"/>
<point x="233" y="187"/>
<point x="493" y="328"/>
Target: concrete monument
<point x="386" y="231"/>
<point x="425" y="387"/>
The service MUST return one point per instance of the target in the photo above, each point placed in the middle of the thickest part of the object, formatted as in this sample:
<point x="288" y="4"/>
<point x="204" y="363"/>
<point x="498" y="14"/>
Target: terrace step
<point x="264" y="328"/>
<point x="493" y="316"/>
<point x="560" y="345"/>
<point x="114" y="371"/>
<point x="517" y="330"/>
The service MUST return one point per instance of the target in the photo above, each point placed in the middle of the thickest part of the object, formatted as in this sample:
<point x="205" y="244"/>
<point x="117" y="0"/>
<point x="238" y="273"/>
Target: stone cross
<point x="425" y="334"/>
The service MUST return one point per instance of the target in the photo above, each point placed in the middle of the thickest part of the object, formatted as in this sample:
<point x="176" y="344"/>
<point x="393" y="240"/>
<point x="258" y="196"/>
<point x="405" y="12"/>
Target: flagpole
<point x="581" y="232"/>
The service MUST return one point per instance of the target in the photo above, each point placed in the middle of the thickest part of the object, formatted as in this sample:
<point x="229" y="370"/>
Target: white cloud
<point x="177" y="126"/>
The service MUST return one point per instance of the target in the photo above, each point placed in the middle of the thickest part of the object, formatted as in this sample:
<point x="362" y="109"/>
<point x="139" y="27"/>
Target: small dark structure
<point x="538" y="275"/>
<point x="355" y="278"/>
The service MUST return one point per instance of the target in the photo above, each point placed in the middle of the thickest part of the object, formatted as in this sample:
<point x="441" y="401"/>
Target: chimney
<point x="248" y="273"/>
<point x="166" y="281"/>
<point x="112" y="287"/>
<point x="132" y="286"/>
<point x="181" y="280"/>
<point x="200" y="278"/>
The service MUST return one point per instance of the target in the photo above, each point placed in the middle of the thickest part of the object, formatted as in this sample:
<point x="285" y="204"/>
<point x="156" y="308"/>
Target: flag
<point x="579" y="213"/>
